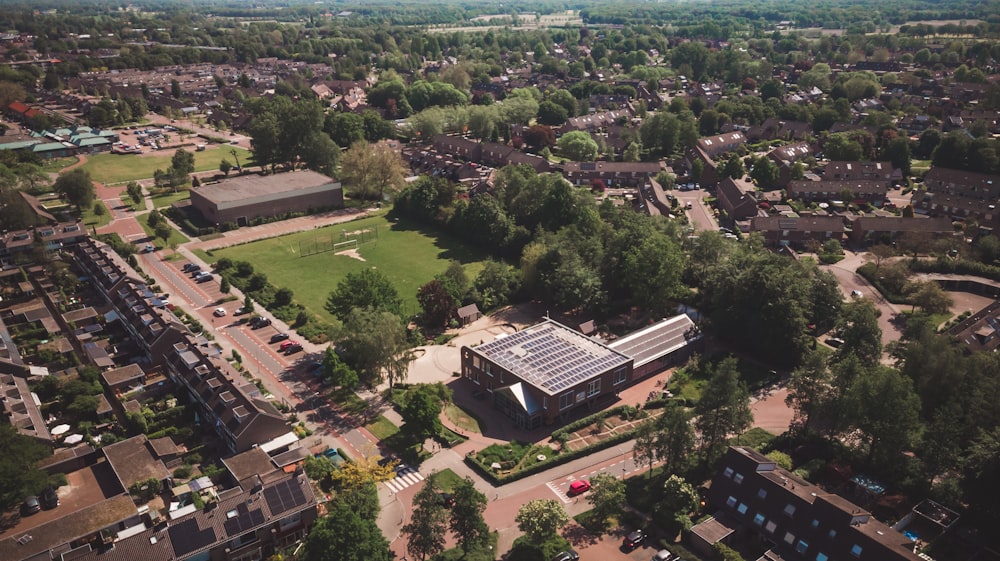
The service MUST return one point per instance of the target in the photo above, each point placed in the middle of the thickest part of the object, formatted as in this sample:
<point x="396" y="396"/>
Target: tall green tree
<point x="885" y="411"/>
<point x="421" y="412"/>
<point x="76" y="187"/>
<point x="467" y="520"/>
<point x="344" y="535"/>
<point x="607" y="493"/>
<point x="375" y="344"/>
<point x="541" y="519"/>
<point x="428" y="524"/>
<point x="369" y="288"/>
<point x="724" y="408"/>
<point x="577" y="146"/>
<point x="859" y="329"/>
<point x="19" y="475"/>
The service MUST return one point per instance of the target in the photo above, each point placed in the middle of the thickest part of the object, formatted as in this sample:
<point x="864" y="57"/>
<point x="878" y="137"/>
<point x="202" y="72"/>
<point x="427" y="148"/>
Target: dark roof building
<point x="739" y="205"/>
<point x="857" y="189"/>
<point x="242" y="199"/>
<point x="781" y="231"/>
<point x="720" y="144"/>
<point x="613" y="174"/>
<point x="845" y="171"/>
<point x="981" y="331"/>
<point x="884" y="229"/>
<point x="544" y="371"/>
<point x="799" y="520"/>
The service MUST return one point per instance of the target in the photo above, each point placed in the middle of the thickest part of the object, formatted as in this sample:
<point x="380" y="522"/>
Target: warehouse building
<point x="246" y="198"/>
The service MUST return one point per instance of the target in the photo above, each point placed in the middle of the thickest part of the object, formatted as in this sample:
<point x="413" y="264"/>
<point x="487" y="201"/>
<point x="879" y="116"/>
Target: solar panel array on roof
<point x="552" y="357"/>
<point x="284" y="496"/>
<point x="187" y="537"/>
<point x="242" y="519"/>
<point x="787" y="224"/>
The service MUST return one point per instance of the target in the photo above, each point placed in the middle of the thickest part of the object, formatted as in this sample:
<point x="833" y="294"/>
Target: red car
<point x="579" y="486"/>
<point x="284" y="346"/>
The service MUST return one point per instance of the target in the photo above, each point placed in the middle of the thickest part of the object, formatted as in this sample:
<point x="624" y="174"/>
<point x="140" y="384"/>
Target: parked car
<point x="278" y="337"/>
<point x="387" y="459"/>
<point x="188" y="267"/>
<point x="194" y="268"/>
<point x="219" y="312"/>
<point x="204" y="278"/>
<point x="447" y="499"/>
<point x="663" y="555"/>
<point x="570" y="555"/>
<point x="579" y="486"/>
<point x="50" y="499"/>
<point x="259" y="321"/>
<point x="292" y="349"/>
<point x="633" y="539"/>
<point x="285" y="346"/>
<point x="148" y="248"/>
<point x="30" y="506"/>
<point x="240" y="311"/>
<point x="856" y="294"/>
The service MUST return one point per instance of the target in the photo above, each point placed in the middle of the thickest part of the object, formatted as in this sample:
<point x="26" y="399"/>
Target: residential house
<point x="797" y="520"/>
<point x="738" y="204"/>
<point x="613" y="174"/>
<point x="867" y="230"/>
<point x="720" y="144"/>
<point x="857" y="190"/>
<point x="780" y="231"/>
<point x="845" y="171"/>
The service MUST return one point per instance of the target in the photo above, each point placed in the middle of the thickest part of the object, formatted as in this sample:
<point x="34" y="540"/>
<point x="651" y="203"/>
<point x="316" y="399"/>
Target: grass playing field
<point x="409" y="254"/>
<point x="117" y="168"/>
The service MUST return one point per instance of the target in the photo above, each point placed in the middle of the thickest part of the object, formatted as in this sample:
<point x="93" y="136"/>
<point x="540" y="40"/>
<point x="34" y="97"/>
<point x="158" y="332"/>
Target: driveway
<point x="849" y="281"/>
<point x="699" y="215"/>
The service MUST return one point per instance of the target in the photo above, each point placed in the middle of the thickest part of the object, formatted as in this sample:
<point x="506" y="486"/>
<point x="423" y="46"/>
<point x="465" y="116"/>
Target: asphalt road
<point x="699" y="215"/>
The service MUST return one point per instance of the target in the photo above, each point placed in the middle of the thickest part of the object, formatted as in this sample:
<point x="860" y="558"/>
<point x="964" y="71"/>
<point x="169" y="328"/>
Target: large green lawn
<point x="409" y="254"/>
<point x="118" y="168"/>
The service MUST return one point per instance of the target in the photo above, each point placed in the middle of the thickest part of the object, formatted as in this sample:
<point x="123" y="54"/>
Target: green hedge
<point x="959" y="267"/>
<point x="579" y="424"/>
<point x="551" y="462"/>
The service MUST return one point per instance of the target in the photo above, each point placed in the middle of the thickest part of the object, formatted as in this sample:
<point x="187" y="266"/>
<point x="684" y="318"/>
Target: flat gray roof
<point x="655" y="341"/>
<point x="249" y="189"/>
<point x="551" y="356"/>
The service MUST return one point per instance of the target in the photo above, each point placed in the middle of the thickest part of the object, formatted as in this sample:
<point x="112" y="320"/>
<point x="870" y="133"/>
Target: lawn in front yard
<point x="409" y="254"/>
<point x="382" y="428"/>
<point x="162" y="200"/>
<point x="118" y="168"/>
<point x="464" y="419"/>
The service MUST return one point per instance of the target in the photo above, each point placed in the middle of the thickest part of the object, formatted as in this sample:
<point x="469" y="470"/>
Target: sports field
<point x="118" y="168"/>
<point x="408" y="253"/>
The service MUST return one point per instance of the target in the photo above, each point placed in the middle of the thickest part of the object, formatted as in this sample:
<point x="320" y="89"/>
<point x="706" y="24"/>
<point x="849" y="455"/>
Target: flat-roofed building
<point x="243" y="199"/>
<point x="543" y="372"/>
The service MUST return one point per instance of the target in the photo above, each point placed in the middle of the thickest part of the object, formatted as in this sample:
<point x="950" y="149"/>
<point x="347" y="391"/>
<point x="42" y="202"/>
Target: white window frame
<point x="594" y="387"/>
<point x="566" y="400"/>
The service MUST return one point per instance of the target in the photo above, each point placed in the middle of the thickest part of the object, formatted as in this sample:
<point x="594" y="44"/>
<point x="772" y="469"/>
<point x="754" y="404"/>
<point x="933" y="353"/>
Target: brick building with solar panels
<point x="540" y="374"/>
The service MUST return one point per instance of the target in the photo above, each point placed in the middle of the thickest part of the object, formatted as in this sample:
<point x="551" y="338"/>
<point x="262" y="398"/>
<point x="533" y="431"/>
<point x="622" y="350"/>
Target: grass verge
<point x="166" y="199"/>
<point x="464" y="419"/>
<point x="175" y="235"/>
<point x="382" y="428"/>
<point x="90" y="218"/>
<point x="447" y="480"/>
<point x="349" y="401"/>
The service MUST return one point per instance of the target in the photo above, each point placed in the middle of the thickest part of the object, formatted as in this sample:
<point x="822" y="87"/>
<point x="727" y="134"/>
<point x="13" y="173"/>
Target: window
<point x="758" y="519"/>
<point x="789" y="538"/>
<point x="594" y="387"/>
<point x="802" y="546"/>
<point x="822" y="557"/>
<point x="856" y="550"/>
<point x="832" y="534"/>
<point x="565" y="400"/>
<point x="762" y="493"/>
<point x="789" y="509"/>
<point x="620" y="375"/>
<point x="770" y="527"/>
<point x="731" y="501"/>
<point x="742" y="509"/>
<point x="728" y="473"/>
<point x="290" y="522"/>
<point x="814" y="523"/>
<point x="738" y="478"/>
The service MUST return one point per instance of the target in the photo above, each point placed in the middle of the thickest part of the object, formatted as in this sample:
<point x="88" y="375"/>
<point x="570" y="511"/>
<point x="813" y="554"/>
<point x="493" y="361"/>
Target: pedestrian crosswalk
<point x="554" y="487"/>
<point x="405" y="476"/>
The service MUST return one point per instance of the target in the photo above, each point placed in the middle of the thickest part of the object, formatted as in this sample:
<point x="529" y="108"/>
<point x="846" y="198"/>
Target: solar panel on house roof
<point x="787" y="224"/>
<point x="284" y="496"/>
<point x="187" y="537"/>
<point x="241" y="519"/>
